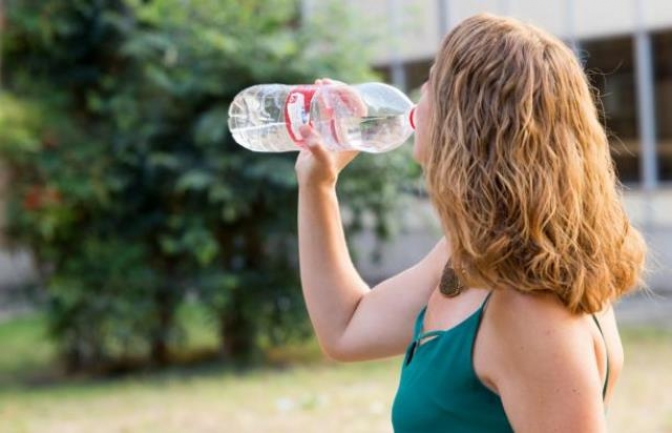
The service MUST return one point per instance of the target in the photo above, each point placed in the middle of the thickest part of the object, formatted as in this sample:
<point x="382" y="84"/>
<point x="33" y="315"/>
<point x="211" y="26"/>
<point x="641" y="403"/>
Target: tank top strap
<point x="418" y="323"/>
<point x="485" y="301"/>
<point x="479" y="321"/>
<point x="420" y="320"/>
<point x="606" y="379"/>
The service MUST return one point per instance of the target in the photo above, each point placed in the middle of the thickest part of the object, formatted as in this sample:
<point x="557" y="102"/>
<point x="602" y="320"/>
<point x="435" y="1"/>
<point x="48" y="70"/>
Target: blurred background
<point x="148" y="278"/>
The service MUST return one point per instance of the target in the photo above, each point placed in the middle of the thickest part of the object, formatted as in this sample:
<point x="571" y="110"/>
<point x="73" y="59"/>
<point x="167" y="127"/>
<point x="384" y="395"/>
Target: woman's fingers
<point x="312" y="141"/>
<point x="350" y="99"/>
<point x="316" y="164"/>
<point x="308" y="134"/>
<point x="327" y="81"/>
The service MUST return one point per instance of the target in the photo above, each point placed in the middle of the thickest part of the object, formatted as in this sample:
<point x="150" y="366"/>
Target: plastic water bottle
<point x="371" y="117"/>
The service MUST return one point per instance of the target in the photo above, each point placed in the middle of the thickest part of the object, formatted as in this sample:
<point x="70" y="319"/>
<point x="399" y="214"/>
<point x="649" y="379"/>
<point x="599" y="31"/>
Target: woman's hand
<point x="317" y="166"/>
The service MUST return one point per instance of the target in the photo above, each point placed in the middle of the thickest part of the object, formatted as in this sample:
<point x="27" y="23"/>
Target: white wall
<point x="419" y="36"/>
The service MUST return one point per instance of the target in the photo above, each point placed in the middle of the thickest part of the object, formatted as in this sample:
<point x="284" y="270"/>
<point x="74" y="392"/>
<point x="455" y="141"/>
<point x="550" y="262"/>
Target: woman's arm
<point x="352" y="322"/>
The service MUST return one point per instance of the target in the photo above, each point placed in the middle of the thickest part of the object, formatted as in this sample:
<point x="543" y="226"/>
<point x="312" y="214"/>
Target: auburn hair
<point x="519" y="168"/>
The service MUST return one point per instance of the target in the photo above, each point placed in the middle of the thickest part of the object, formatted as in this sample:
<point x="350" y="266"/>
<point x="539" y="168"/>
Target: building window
<point x="662" y="57"/>
<point x="417" y="73"/>
<point x="610" y="67"/>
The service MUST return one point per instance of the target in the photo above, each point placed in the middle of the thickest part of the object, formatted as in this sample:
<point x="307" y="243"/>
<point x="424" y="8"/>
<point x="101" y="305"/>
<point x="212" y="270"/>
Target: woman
<point x="507" y="323"/>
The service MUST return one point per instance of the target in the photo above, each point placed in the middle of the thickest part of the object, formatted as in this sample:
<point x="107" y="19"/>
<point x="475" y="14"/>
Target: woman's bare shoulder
<point x="522" y="329"/>
<point x="531" y="318"/>
<point x="539" y="360"/>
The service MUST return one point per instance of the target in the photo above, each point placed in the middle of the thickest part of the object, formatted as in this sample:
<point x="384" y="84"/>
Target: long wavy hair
<point x="519" y="168"/>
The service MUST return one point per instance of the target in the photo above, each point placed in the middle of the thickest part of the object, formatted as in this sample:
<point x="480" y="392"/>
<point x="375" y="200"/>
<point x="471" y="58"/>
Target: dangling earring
<point x="450" y="284"/>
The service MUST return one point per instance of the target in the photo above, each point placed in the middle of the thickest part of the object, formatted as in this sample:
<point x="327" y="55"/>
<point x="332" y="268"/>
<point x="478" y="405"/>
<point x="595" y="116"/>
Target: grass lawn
<point x="316" y="397"/>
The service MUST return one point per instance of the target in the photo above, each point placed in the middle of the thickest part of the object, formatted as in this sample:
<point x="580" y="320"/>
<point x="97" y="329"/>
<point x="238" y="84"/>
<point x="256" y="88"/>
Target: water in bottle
<point x="371" y="117"/>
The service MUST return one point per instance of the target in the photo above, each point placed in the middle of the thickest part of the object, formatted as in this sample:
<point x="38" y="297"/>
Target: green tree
<point x="128" y="186"/>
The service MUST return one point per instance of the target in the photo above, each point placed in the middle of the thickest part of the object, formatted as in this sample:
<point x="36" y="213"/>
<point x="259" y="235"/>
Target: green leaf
<point x="195" y="180"/>
<point x="212" y="126"/>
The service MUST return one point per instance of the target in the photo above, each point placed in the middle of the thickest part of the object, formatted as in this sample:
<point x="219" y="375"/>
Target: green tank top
<point x="439" y="390"/>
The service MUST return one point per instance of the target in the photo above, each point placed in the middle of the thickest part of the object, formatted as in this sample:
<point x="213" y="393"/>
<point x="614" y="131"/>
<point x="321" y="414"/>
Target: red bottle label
<point x="297" y="111"/>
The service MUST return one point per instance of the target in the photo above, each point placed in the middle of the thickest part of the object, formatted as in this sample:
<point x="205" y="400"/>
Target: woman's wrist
<point x="318" y="185"/>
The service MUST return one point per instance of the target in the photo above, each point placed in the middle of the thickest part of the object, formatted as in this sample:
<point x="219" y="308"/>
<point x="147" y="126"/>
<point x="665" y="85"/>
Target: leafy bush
<point x="128" y="186"/>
